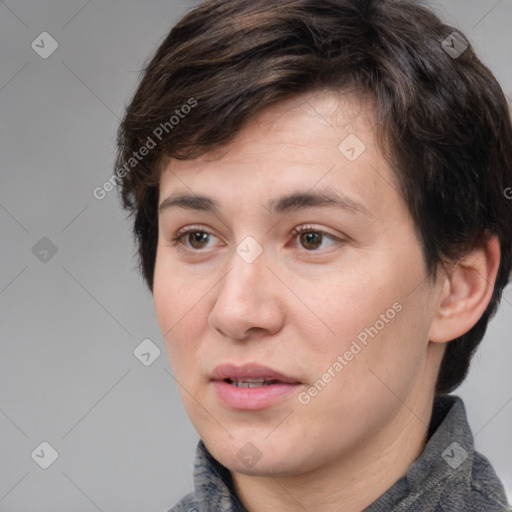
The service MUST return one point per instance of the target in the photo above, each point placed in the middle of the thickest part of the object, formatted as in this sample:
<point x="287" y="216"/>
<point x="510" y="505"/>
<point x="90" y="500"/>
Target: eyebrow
<point x="288" y="203"/>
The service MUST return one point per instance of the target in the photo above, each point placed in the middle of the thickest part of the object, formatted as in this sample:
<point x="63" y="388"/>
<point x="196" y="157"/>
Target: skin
<point x="300" y="305"/>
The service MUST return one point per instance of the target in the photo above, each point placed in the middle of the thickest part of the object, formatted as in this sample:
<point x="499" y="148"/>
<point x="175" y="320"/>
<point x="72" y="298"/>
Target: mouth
<point x="251" y="375"/>
<point x="252" y="386"/>
<point x="251" y="383"/>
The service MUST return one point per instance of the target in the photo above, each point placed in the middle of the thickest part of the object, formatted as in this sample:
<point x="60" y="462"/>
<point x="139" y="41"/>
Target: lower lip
<point x="254" y="398"/>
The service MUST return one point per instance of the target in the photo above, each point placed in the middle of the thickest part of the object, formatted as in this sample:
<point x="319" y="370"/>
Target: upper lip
<point x="250" y="371"/>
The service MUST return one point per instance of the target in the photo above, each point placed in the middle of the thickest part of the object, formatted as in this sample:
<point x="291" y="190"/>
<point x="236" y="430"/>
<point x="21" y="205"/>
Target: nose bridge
<point x="244" y="299"/>
<point x="246" y="278"/>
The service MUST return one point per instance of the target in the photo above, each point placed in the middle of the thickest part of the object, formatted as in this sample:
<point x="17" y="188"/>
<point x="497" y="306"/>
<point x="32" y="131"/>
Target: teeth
<point x="251" y="383"/>
<point x="250" y="380"/>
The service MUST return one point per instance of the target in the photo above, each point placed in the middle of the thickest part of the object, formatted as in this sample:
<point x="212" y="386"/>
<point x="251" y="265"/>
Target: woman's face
<point x="300" y="255"/>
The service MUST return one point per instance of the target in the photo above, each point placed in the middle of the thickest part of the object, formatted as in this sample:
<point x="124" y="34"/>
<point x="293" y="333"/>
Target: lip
<point x="250" y="371"/>
<point x="259" y="397"/>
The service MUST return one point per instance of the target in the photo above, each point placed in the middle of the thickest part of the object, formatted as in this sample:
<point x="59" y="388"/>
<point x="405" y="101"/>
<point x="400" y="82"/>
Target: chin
<point x="257" y="456"/>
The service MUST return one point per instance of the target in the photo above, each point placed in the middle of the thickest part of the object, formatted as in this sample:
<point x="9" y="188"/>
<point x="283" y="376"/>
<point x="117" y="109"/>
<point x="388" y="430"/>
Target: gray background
<point x="70" y="324"/>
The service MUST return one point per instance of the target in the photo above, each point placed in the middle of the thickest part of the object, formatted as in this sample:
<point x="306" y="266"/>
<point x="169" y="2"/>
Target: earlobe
<point x="467" y="289"/>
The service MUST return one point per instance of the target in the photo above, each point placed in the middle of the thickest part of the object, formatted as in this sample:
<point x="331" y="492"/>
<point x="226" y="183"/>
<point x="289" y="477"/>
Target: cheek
<point x="339" y="307"/>
<point x="173" y="294"/>
<point x="368" y="317"/>
<point x="180" y="312"/>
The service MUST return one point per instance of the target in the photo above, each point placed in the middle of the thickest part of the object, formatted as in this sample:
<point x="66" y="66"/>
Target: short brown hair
<point x="443" y="121"/>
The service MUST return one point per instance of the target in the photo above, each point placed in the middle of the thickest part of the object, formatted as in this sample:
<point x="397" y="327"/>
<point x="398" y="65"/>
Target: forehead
<point x="299" y="120"/>
<point x="317" y="139"/>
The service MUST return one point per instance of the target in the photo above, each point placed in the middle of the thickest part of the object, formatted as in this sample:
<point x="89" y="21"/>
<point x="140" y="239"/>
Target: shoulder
<point x="487" y="491"/>
<point x="187" y="504"/>
<point x="482" y="492"/>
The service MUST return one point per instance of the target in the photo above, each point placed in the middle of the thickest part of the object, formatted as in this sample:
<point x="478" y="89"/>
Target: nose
<point x="248" y="301"/>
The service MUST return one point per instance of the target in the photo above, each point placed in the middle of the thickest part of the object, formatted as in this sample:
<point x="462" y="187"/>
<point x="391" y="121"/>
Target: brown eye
<point x="311" y="240"/>
<point x="197" y="239"/>
<point x="194" y="239"/>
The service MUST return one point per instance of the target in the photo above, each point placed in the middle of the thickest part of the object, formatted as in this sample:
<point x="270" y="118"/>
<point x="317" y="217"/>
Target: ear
<point x="467" y="288"/>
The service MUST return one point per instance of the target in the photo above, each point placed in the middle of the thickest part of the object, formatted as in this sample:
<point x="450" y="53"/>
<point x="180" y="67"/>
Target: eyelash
<point x="295" y="233"/>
